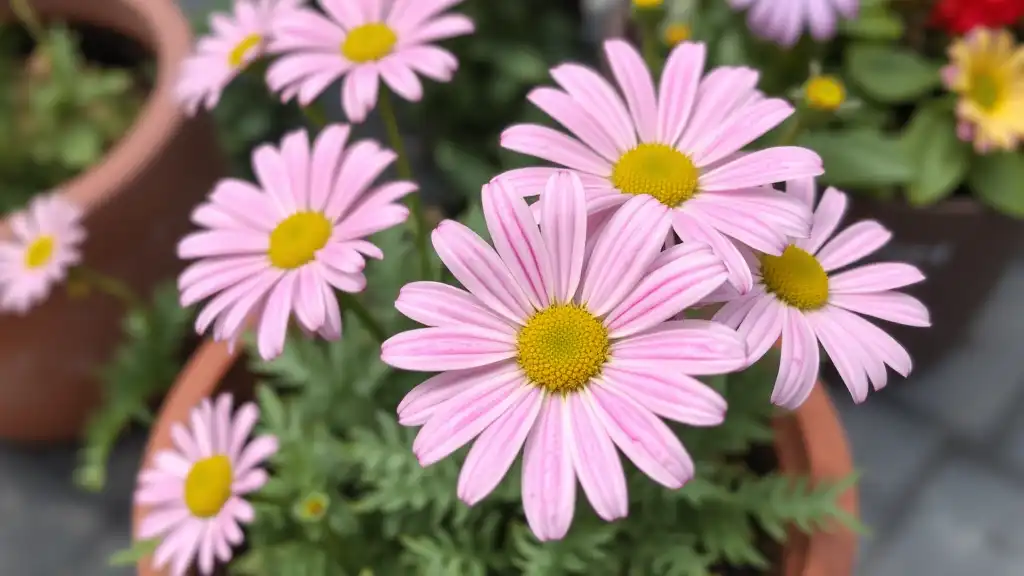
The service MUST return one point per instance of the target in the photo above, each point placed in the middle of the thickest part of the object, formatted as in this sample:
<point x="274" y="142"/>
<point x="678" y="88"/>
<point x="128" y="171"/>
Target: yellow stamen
<point x="208" y="486"/>
<point x="648" y="3"/>
<point x="368" y="43"/>
<point x="39" y="252"/>
<point x="676" y="33"/>
<point x="825" y="93"/>
<point x="295" y="241"/>
<point x="238" y="54"/>
<point x="796" y="278"/>
<point x="658" y="170"/>
<point x="562" y="347"/>
<point x="985" y="90"/>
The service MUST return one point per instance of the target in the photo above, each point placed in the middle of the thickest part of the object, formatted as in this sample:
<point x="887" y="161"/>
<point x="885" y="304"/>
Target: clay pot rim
<point x="169" y="38"/>
<point x="809" y="441"/>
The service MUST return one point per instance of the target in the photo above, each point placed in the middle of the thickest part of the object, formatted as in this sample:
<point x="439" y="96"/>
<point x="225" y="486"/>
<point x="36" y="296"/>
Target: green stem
<point x="649" y="45"/>
<point x="353" y="304"/>
<point x="23" y="11"/>
<point x="108" y="285"/>
<point x="387" y="114"/>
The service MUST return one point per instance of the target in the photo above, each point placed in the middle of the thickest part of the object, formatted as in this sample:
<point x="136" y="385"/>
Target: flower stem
<point x="107" y="285"/>
<point x="649" y="45"/>
<point x="387" y="114"/>
<point x="796" y="126"/>
<point x="24" y="12"/>
<point x="352" y="303"/>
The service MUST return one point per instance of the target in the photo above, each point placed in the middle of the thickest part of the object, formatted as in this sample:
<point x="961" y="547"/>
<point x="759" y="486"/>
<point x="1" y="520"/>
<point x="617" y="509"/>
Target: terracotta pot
<point x="137" y="203"/>
<point x="961" y="246"/>
<point x="810" y="442"/>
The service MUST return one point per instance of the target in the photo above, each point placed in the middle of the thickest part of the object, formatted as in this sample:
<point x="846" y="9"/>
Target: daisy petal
<point x="518" y="241"/>
<point x="497" y="447"/>
<point x="594" y="457"/>
<point x="798" y="366"/>
<point x="668" y="394"/>
<point x="892" y="306"/>
<point x="875" y="278"/>
<point x="852" y="244"/>
<point x="455" y="348"/>
<point x="549" y="481"/>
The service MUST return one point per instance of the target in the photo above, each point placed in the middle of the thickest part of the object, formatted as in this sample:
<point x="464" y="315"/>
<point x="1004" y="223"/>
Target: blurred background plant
<point x="60" y="112"/>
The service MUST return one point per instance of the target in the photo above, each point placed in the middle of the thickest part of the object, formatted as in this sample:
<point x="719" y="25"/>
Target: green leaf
<point x="860" y="158"/>
<point x="473" y="218"/>
<point x="143" y="368"/>
<point x="466" y="171"/>
<point x="890" y="74"/>
<point x="998" y="180"/>
<point x="874" y="23"/>
<point x="140" y="549"/>
<point x="939" y="158"/>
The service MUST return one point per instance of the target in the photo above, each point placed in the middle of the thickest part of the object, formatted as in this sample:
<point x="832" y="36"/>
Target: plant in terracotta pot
<point x="560" y="328"/>
<point x="916" y="108"/>
<point x="100" y="170"/>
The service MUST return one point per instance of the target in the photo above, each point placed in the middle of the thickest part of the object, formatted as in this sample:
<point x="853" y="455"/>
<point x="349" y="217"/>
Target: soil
<point x="762" y="460"/>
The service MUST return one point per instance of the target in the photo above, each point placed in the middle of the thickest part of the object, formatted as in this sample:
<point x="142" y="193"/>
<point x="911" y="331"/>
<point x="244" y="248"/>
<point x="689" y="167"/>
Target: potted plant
<point x="911" y="106"/>
<point x="560" y="329"/>
<point x="93" y="125"/>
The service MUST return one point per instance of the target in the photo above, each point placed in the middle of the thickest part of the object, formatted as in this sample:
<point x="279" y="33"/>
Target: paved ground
<point x="942" y="456"/>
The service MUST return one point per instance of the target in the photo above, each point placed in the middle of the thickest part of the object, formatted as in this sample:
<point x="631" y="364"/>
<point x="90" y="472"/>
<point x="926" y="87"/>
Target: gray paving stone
<point x="976" y="387"/>
<point x="890" y="449"/>
<point x="967" y="521"/>
<point x="1011" y="448"/>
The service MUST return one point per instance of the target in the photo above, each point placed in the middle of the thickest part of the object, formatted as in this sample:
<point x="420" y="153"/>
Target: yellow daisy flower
<point x="986" y="70"/>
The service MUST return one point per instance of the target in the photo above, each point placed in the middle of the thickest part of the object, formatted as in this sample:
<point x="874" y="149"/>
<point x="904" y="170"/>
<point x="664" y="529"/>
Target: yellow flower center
<point x="562" y="347"/>
<point x="295" y="241"/>
<point x="825" y="93"/>
<point x="658" y="170"/>
<point x="39" y="252"/>
<point x="796" y="278"/>
<point x="985" y="90"/>
<point x="238" y="54"/>
<point x="648" y="3"/>
<point x="208" y="486"/>
<point x="368" y="42"/>
<point x="676" y="32"/>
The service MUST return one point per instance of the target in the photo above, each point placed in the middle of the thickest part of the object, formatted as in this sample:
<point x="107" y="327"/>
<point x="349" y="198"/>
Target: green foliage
<point x="143" y="367"/>
<point x="59" y="112"/>
<point x="860" y="158"/>
<point x="890" y="74"/>
<point x="876" y="20"/>
<point x="509" y="53"/>
<point x="940" y="159"/>
<point x="998" y="180"/>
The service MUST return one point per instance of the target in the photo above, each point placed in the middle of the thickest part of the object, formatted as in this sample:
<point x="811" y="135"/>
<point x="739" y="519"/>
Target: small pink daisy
<point x="364" y="40"/>
<point x="46" y="236"/>
<point x="194" y="492"/>
<point x="681" y="146"/>
<point x="782" y="21"/>
<point x="285" y="246"/>
<point x="802" y="297"/>
<point x="563" y="348"/>
<point x="235" y="42"/>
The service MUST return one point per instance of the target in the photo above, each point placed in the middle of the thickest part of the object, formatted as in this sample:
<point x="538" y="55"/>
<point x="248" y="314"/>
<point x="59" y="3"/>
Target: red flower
<point x="960" y="16"/>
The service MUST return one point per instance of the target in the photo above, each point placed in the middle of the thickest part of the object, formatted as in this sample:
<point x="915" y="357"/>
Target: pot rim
<point x="168" y="36"/>
<point x="809" y="441"/>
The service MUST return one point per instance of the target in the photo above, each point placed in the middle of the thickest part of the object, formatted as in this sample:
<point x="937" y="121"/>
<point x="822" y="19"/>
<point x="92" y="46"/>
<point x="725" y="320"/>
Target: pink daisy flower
<point x="284" y="246"/>
<point x="194" y="492"/>
<point x="235" y="41"/>
<point x="681" y="146"/>
<point x="378" y="39"/>
<point x="806" y="297"/>
<point x="44" y="245"/>
<point x="782" y="21"/>
<point x="563" y="348"/>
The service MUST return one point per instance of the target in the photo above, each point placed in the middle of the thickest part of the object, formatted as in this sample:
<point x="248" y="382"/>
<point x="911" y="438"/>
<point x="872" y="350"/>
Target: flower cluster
<point x="569" y="336"/>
